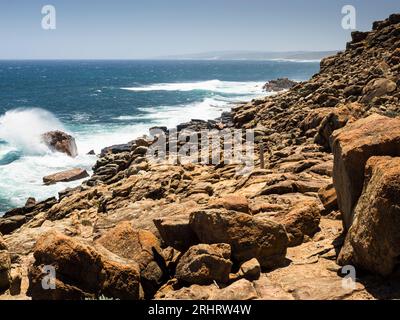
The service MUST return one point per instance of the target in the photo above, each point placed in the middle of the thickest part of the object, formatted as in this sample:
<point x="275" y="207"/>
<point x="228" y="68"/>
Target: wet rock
<point x="203" y="264"/>
<point x="249" y="237"/>
<point x="66" y="176"/>
<point x="61" y="142"/>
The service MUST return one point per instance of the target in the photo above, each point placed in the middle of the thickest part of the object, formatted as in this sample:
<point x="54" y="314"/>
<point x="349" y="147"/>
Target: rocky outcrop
<point x="352" y="147"/>
<point x="279" y="84"/>
<point x="250" y="237"/>
<point x="5" y="266"/>
<point x="280" y="219"/>
<point x="203" y="264"/>
<point x="80" y="271"/>
<point x="65" y="176"/>
<point x="373" y="238"/>
<point x="59" y="141"/>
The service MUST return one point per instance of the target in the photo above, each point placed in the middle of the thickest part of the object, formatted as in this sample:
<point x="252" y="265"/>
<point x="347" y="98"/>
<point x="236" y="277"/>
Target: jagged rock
<point x="302" y="220"/>
<point x="9" y="224"/>
<point x="352" y="146"/>
<point x="203" y="264"/>
<point x="250" y="270"/>
<point x="377" y="88"/>
<point x="66" y="176"/>
<point x="279" y="84"/>
<point x="231" y="202"/>
<point x="336" y="119"/>
<point x="5" y="266"/>
<point x="372" y="240"/>
<point x="249" y="237"/>
<point x="61" y="142"/>
<point x="328" y="198"/>
<point x="176" y="232"/>
<point x="138" y="246"/>
<point x="81" y="271"/>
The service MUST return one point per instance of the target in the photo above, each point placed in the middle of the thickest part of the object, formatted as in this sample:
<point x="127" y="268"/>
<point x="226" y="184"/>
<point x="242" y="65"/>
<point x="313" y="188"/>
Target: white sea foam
<point x="22" y="128"/>
<point x="228" y="87"/>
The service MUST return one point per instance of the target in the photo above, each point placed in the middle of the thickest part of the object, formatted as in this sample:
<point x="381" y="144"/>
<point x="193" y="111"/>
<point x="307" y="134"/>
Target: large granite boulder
<point x="81" y="271"/>
<point x="372" y="241"/>
<point x="352" y="146"/>
<point x="60" y="142"/>
<point x="140" y="247"/>
<point x="203" y="264"/>
<point x="249" y="236"/>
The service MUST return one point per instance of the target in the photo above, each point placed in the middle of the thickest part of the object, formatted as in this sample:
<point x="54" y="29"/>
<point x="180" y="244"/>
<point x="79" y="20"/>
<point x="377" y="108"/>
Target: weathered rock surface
<point x="352" y="147"/>
<point x="65" y="176"/>
<point x="80" y="271"/>
<point x="61" y="142"/>
<point x="250" y="237"/>
<point x="279" y="84"/>
<point x="373" y="238"/>
<point x="203" y="264"/>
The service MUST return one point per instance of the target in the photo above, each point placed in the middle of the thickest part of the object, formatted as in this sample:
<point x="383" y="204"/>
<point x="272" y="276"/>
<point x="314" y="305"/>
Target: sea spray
<point x="22" y="129"/>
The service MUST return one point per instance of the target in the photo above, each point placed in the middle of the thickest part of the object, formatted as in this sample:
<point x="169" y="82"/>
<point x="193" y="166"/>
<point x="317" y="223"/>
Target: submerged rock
<point x="60" y="142"/>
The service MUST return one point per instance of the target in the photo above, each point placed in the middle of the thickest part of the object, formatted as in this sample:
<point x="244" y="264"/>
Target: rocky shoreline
<point x="322" y="195"/>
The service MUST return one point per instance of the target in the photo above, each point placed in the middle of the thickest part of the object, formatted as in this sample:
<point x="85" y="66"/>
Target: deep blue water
<point x="106" y="102"/>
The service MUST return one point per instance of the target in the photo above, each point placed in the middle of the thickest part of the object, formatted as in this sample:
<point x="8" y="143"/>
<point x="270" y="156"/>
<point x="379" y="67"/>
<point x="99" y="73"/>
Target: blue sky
<point x="122" y="29"/>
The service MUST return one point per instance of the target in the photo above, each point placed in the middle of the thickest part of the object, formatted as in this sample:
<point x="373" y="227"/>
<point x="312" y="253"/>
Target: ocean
<point x="102" y="103"/>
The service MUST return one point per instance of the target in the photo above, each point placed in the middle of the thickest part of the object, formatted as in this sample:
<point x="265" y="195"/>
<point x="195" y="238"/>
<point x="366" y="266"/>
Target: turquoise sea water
<point x="108" y="102"/>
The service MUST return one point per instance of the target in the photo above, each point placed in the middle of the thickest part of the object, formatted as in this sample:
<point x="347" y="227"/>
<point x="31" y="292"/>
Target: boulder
<point x="65" y="176"/>
<point x="203" y="264"/>
<point x="377" y="88"/>
<point x="60" y="142"/>
<point x="231" y="202"/>
<point x="372" y="241"/>
<point x="5" y="266"/>
<point x="302" y="220"/>
<point x="327" y="196"/>
<point x="279" y="84"/>
<point x="140" y="247"/>
<point x="176" y="232"/>
<point x="249" y="237"/>
<point x="336" y="119"/>
<point x="250" y="270"/>
<point x="240" y="290"/>
<point x="9" y="224"/>
<point x="81" y="271"/>
<point x="352" y="146"/>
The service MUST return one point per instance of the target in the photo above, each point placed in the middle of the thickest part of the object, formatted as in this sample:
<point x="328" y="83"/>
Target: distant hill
<point x="254" y="55"/>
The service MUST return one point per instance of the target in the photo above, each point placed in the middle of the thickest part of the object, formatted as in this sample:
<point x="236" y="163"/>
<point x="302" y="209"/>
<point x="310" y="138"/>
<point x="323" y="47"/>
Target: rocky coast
<point x="320" y="202"/>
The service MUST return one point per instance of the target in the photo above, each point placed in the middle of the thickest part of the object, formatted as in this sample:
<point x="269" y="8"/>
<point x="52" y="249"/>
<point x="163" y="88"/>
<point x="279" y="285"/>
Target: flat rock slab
<point x="66" y="176"/>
